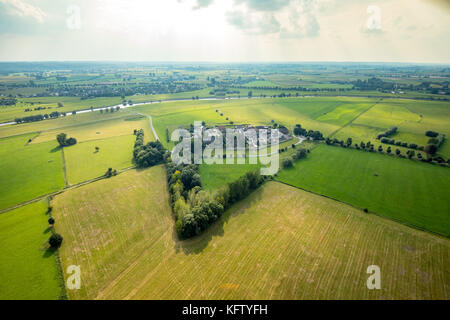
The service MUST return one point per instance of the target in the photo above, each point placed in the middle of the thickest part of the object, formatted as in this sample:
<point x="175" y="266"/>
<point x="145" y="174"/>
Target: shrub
<point x="432" y="134"/>
<point x="51" y="221"/>
<point x="63" y="141"/>
<point x="288" y="163"/>
<point x="431" y="149"/>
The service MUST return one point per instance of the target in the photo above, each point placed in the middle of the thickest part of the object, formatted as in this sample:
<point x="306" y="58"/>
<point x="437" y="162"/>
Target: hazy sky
<point x="226" y="30"/>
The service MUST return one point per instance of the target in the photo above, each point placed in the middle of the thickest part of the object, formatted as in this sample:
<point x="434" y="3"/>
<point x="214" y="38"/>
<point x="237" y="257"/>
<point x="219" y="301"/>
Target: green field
<point x="28" y="171"/>
<point x="99" y="130"/>
<point x="61" y="122"/>
<point x="324" y="114"/>
<point x="409" y="191"/>
<point x="27" y="270"/>
<point x="279" y="243"/>
<point x="84" y="163"/>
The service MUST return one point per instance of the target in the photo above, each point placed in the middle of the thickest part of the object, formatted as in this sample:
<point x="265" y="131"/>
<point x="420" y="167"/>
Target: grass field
<point x="324" y="114"/>
<point x="27" y="270"/>
<point x="402" y="189"/>
<point x="28" y="171"/>
<point x="413" y="119"/>
<point x="99" y="130"/>
<point x="84" y="163"/>
<point x="280" y="243"/>
<point x="62" y="122"/>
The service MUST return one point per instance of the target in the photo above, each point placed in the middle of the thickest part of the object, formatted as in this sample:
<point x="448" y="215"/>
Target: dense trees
<point x="148" y="155"/>
<point x="431" y="149"/>
<point x="194" y="208"/>
<point x="63" y="141"/>
<point x="315" y="135"/>
<point x="431" y="134"/>
<point x="40" y="117"/>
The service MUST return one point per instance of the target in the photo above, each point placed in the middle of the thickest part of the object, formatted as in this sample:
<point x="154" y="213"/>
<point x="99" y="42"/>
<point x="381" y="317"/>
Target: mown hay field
<point x="409" y="191"/>
<point x="279" y="243"/>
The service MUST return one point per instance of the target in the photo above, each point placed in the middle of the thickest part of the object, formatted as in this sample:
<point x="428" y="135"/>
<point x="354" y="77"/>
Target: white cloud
<point x="23" y="9"/>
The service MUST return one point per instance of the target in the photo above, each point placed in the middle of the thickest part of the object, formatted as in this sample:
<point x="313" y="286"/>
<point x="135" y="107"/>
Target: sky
<point x="226" y="30"/>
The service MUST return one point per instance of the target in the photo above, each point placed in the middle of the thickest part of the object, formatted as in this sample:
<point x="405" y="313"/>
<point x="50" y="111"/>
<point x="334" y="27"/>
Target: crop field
<point x="324" y="114"/>
<point x="99" y="130"/>
<point x="28" y="171"/>
<point x="27" y="270"/>
<point x="51" y="103"/>
<point x="310" y="231"/>
<point x="316" y="248"/>
<point x="61" y="122"/>
<point x="409" y="191"/>
<point x="413" y="119"/>
<point x="83" y="162"/>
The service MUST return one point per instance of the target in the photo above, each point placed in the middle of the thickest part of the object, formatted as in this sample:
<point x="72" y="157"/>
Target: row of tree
<point x="387" y="133"/>
<point x="402" y="144"/>
<point x="40" y="117"/>
<point x="196" y="209"/>
<point x="410" y="154"/>
<point x="298" y="155"/>
<point x="315" y="135"/>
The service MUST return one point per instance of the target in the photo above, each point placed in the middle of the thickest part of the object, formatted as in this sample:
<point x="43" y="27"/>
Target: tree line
<point x="315" y="135"/>
<point x="196" y="209"/>
<point x="148" y="155"/>
<point x="40" y="117"/>
<point x="368" y="146"/>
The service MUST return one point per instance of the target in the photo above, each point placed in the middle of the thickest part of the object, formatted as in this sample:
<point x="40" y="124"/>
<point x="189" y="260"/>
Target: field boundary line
<point x="352" y="120"/>
<point x="66" y="182"/>
<point x="62" y="127"/>
<point x="70" y="187"/>
<point x="406" y="224"/>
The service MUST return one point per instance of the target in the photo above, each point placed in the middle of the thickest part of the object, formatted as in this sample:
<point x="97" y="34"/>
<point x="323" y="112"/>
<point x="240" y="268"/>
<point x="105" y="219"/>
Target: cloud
<point x="253" y="24"/>
<point x="23" y="9"/>
<point x="287" y="18"/>
<point x="264" y="5"/>
<point x="203" y="4"/>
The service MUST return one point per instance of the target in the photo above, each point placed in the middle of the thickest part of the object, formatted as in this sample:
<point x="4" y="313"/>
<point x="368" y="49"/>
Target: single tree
<point x="55" y="240"/>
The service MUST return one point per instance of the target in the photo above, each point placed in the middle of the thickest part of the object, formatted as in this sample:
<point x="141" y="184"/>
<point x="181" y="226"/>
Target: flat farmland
<point x="99" y="130"/>
<point x="413" y="119"/>
<point x="61" y="122"/>
<point x="409" y="191"/>
<point x="279" y="243"/>
<point x="325" y="114"/>
<point x="84" y="163"/>
<point x="28" y="171"/>
<point x="114" y="222"/>
<point x="27" y="270"/>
